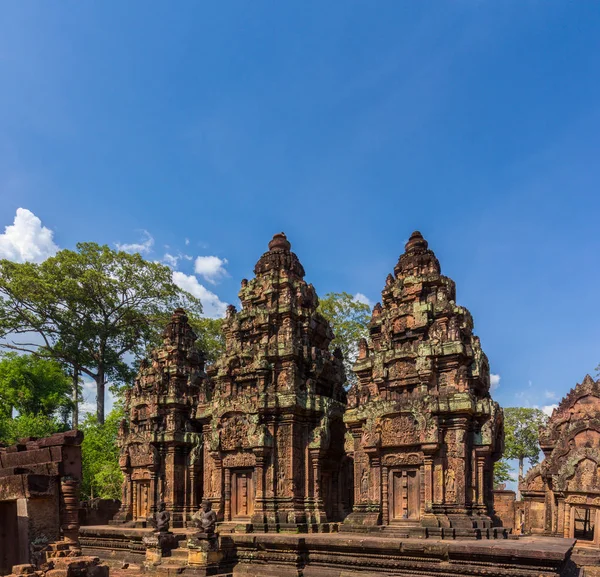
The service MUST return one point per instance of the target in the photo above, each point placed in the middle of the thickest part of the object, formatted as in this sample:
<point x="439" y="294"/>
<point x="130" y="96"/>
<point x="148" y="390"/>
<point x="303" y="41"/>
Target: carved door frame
<point x="407" y="480"/>
<point x="243" y="493"/>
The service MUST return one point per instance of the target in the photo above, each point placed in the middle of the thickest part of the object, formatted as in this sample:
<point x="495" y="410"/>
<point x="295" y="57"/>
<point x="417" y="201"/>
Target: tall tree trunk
<point x="521" y="459"/>
<point x="100" y="384"/>
<point x="75" y="397"/>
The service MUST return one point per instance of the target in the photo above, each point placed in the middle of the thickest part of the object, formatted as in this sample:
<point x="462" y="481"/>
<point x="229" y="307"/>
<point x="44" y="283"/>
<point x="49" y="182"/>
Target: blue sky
<point x="345" y="124"/>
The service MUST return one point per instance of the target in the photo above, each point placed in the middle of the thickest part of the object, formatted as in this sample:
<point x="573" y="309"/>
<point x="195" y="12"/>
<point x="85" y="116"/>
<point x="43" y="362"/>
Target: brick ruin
<point x="562" y="494"/>
<point x="39" y="499"/>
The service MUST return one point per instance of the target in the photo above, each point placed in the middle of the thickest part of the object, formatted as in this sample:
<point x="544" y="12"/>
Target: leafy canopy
<point x="27" y="425"/>
<point x="349" y="320"/>
<point x="502" y="473"/>
<point x="90" y="307"/>
<point x="102" y="476"/>
<point x="32" y="385"/>
<point x="521" y="430"/>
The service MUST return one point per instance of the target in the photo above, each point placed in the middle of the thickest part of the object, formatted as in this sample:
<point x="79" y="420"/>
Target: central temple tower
<point x="423" y="430"/>
<point x="273" y="429"/>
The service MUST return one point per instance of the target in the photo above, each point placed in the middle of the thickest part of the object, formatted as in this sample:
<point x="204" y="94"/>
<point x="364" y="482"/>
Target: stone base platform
<point x="345" y="555"/>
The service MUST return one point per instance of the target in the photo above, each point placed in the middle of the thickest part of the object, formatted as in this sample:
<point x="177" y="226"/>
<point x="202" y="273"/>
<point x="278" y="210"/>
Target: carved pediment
<point x="580" y="471"/>
<point x="533" y="480"/>
<point x="233" y="432"/>
<point x="582" y="403"/>
<point x="399" y="430"/>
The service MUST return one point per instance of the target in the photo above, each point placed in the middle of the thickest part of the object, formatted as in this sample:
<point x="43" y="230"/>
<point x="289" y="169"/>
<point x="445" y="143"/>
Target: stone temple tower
<point x="273" y="429"/>
<point x="423" y="430"/>
<point x="161" y="452"/>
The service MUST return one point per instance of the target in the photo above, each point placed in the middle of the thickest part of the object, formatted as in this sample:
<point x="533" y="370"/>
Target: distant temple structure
<point x="562" y="494"/>
<point x="273" y="440"/>
<point x="161" y="450"/>
<point x="423" y="430"/>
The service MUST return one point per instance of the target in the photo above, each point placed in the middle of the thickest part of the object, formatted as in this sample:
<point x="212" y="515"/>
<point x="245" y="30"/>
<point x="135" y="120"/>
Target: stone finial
<point x="280" y="242"/>
<point x="416" y="241"/>
<point x="377" y="310"/>
<point x="588" y="381"/>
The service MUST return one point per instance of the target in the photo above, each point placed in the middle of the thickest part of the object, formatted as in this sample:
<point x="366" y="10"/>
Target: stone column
<point x="69" y="492"/>
<point x="227" y="494"/>
<point x="385" y="496"/>
<point x="428" y="451"/>
<point x="169" y="490"/>
<point x="192" y="504"/>
<point x="154" y="494"/>
<point x="134" y="500"/>
<point x="376" y="480"/>
<point x="259" y="475"/>
<point x="319" y="510"/>
<point x="460" y="448"/>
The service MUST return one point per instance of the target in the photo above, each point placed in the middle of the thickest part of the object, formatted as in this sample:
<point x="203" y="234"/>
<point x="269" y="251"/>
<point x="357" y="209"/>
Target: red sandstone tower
<point x="161" y="452"/>
<point x="273" y="429"/>
<point x="423" y="430"/>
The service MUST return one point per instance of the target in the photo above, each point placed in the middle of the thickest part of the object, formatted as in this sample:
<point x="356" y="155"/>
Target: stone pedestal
<point x="158" y="545"/>
<point x="204" y="555"/>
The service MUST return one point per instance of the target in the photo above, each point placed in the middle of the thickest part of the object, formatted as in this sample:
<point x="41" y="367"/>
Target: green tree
<point x="502" y="473"/>
<point x="102" y="476"/>
<point x="349" y="320"/>
<point x="90" y="307"/>
<point x="521" y="431"/>
<point x="28" y="425"/>
<point x="211" y="340"/>
<point x="32" y="385"/>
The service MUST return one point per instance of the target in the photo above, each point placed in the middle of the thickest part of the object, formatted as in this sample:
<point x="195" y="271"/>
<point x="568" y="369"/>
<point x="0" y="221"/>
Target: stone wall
<point x="505" y="508"/>
<point x="39" y="496"/>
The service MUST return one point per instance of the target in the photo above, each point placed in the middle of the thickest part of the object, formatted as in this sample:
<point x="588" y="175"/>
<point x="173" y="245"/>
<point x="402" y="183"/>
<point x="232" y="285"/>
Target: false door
<point x="142" y="499"/>
<point x="242" y="493"/>
<point x="405" y="495"/>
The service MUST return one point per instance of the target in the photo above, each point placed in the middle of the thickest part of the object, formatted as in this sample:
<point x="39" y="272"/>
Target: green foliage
<point x="90" y="307"/>
<point x="349" y="320"/>
<point x="211" y="340"/>
<point x="521" y="430"/>
<point x="33" y="385"/>
<point x="102" y="476"/>
<point x="502" y="473"/>
<point x="27" y="425"/>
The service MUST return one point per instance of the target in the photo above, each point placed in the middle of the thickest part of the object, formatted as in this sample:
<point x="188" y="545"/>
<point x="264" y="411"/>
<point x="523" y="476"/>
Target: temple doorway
<point x="404" y="495"/>
<point x="584" y="519"/>
<point x="9" y="537"/>
<point x="242" y="493"/>
<point x="142" y="501"/>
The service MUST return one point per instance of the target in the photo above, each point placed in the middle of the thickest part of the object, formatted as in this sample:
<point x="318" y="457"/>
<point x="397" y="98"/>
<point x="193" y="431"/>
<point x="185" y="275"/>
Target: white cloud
<point x="361" y="298"/>
<point x="143" y="247"/>
<point x="494" y="381"/>
<point x="211" y="304"/>
<point x="549" y="408"/>
<point x="187" y="241"/>
<point x="211" y="268"/>
<point x="171" y="260"/>
<point x="26" y="239"/>
<point x="550" y="394"/>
